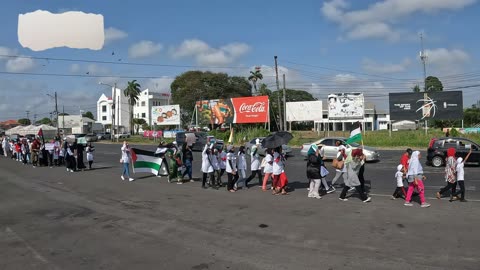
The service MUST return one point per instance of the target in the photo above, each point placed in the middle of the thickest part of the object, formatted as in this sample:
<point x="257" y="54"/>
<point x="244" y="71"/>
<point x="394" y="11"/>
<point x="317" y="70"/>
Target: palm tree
<point x="132" y="92"/>
<point x="255" y="75"/>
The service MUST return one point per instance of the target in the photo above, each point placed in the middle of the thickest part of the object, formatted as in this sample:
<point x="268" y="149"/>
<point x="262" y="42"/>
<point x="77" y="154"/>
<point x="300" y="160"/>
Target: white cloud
<point x="343" y="79"/>
<point x="144" y="48"/>
<point x="19" y="64"/>
<point x="204" y="54"/>
<point x="112" y="34"/>
<point x="442" y="56"/>
<point x="379" y="19"/>
<point x="374" y="67"/>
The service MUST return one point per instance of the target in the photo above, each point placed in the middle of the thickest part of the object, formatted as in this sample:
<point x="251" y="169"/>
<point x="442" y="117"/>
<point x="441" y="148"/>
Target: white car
<point x="330" y="149"/>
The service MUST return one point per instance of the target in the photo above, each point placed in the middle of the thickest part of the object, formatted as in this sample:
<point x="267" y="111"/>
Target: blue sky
<point x="322" y="47"/>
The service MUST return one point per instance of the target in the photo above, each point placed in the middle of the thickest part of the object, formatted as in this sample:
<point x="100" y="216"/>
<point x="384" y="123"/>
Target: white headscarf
<point x="414" y="166"/>
<point x="399" y="167"/>
<point x="459" y="160"/>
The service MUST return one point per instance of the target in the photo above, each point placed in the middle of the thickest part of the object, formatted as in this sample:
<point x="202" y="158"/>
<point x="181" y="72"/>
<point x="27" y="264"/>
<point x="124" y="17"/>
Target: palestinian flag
<point x="355" y="134"/>
<point x="145" y="161"/>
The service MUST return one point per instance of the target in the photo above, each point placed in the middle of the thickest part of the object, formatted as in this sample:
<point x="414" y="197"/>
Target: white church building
<point x="121" y="115"/>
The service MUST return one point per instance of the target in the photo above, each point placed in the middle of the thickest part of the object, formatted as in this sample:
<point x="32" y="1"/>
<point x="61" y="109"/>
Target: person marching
<point x="400" y="189"/>
<point x="207" y="167"/>
<point x="187" y="161"/>
<point x="450" y="174"/>
<point x="314" y="164"/>
<point x="231" y="169"/>
<point x="415" y="178"/>
<point x="125" y="160"/>
<point x="89" y="151"/>
<point x="255" y="164"/>
<point x="241" y="167"/>
<point x="461" y="178"/>
<point x="351" y="179"/>
<point x="267" y="168"/>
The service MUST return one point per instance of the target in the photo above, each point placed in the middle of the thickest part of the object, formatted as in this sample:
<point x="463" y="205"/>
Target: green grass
<point x="400" y="139"/>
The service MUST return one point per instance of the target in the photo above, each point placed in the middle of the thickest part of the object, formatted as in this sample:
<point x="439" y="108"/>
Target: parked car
<point x="104" y="136"/>
<point x="437" y="150"/>
<point x="122" y="135"/>
<point x="261" y="151"/>
<point x="330" y="149"/>
<point x="91" y="137"/>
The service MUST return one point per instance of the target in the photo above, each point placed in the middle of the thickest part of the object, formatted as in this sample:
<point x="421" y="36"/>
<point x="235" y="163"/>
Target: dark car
<point x="437" y="150"/>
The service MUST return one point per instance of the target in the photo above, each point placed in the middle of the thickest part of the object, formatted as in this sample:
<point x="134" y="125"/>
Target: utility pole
<point x="34" y="119"/>
<point x="63" y="119"/>
<point x="278" y="94"/>
<point x="284" y="104"/>
<point x="423" y="57"/>
<point x="28" y="113"/>
<point x="118" y="111"/>
<point x="56" y="114"/>
<point x="114" y="97"/>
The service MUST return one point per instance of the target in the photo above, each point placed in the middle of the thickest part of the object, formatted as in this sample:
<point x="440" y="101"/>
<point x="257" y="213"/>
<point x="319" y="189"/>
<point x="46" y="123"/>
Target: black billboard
<point x="426" y="106"/>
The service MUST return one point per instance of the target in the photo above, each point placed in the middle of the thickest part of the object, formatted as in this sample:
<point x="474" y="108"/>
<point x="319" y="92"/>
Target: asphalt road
<point x="51" y="219"/>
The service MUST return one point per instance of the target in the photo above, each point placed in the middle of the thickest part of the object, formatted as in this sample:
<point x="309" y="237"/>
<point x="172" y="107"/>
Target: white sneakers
<point x="129" y="179"/>
<point x="368" y="199"/>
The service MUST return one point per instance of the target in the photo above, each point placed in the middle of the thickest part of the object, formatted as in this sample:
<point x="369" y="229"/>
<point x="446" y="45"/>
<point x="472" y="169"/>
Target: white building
<point x="121" y="114"/>
<point x="146" y="100"/>
<point x="75" y="124"/>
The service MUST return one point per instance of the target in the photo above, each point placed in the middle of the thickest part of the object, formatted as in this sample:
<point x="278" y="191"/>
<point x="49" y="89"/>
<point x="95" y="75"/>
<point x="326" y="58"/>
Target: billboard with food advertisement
<point x="166" y="115"/>
<point x="346" y="106"/>
<point x="233" y="110"/>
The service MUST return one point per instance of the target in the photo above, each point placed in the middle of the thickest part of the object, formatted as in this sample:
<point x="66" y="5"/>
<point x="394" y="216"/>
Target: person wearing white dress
<point x="241" y="167"/>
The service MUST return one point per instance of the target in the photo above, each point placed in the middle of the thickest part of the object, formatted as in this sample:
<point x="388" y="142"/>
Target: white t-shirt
<point x="277" y="164"/>
<point x="399" y="177"/>
<point x="233" y="160"/>
<point x="255" y="159"/>
<point x="460" y="171"/>
<point x="268" y="167"/>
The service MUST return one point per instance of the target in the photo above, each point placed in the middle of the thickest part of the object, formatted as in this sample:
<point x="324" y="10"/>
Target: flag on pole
<point x="40" y="132"/>
<point x="145" y="161"/>
<point x="355" y="134"/>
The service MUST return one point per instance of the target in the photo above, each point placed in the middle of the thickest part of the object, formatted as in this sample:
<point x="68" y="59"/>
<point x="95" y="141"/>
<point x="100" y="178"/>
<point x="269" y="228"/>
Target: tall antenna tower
<point x="423" y="57"/>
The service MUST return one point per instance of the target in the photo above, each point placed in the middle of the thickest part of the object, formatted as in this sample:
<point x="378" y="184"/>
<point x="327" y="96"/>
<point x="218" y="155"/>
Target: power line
<point x="119" y="63"/>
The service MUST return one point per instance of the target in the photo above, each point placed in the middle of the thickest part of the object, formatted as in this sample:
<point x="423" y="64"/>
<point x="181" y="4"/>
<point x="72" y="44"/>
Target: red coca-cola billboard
<point x="234" y="110"/>
<point x="250" y="109"/>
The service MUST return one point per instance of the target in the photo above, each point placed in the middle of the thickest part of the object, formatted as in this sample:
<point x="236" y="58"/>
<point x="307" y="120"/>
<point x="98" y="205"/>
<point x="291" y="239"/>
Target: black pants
<point x="212" y="178"/>
<point x="90" y="162"/>
<point x="461" y="191"/>
<point x="452" y="186"/>
<point x="360" y="191"/>
<point x="399" y="191"/>
<point x="258" y="173"/>
<point x="361" y="178"/>
<point x="232" y="179"/>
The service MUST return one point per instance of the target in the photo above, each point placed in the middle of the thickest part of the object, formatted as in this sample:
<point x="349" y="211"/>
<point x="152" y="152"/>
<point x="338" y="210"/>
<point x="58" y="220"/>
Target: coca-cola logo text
<point x="254" y="108"/>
